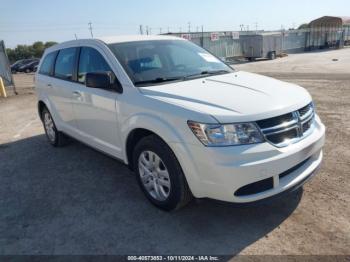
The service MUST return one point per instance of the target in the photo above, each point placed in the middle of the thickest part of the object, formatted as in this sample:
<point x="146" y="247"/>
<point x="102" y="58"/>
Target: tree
<point x="38" y="49"/>
<point x="35" y="50"/>
<point x="49" y="44"/>
<point x="303" y="26"/>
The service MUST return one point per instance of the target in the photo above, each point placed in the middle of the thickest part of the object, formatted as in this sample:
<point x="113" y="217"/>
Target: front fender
<point x="152" y="123"/>
<point x="172" y="136"/>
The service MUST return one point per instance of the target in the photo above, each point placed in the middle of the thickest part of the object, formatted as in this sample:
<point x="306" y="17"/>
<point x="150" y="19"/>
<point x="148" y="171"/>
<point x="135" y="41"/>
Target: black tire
<point x="272" y="55"/>
<point x="180" y="194"/>
<point x="59" y="138"/>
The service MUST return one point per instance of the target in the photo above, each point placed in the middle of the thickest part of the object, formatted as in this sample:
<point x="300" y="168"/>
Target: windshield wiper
<point x="169" y="79"/>
<point x="205" y="73"/>
<point x="158" y="80"/>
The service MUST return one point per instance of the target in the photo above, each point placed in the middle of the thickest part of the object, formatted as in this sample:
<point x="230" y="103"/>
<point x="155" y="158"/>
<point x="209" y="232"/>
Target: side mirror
<point x="103" y="80"/>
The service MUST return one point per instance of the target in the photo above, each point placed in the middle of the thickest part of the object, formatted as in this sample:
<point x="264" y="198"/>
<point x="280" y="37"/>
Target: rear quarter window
<point x="47" y="64"/>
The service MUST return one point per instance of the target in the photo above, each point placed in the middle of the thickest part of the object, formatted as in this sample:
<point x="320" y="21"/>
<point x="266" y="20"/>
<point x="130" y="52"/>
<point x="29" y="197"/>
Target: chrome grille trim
<point x="282" y="127"/>
<point x="302" y="122"/>
<point x="308" y="114"/>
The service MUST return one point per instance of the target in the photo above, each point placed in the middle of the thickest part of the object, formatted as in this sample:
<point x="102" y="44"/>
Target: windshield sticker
<point x="209" y="58"/>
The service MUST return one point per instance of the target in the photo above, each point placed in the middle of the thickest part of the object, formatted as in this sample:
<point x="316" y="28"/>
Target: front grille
<point x="274" y="121"/>
<point x="288" y="128"/>
<point x="303" y="111"/>
<point x="280" y="137"/>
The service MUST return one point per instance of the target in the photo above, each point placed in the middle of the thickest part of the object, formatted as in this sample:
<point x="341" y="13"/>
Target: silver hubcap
<point x="154" y="175"/>
<point x="49" y="127"/>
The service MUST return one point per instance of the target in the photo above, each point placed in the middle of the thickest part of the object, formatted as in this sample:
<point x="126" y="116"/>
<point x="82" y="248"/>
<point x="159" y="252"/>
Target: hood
<point x="235" y="97"/>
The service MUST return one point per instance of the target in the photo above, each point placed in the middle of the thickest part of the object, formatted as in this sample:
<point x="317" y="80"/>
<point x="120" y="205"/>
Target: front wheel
<point x="160" y="175"/>
<point x="55" y="137"/>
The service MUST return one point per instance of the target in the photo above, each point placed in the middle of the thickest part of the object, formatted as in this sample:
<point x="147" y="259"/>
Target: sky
<point x="24" y="22"/>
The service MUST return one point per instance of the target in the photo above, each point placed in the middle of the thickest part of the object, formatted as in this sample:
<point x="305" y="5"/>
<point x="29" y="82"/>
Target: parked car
<point x="29" y="67"/>
<point x="15" y="66"/>
<point x="186" y="123"/>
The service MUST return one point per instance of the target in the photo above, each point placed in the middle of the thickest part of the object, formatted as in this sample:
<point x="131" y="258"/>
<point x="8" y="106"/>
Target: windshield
<point x="159" y="61"/>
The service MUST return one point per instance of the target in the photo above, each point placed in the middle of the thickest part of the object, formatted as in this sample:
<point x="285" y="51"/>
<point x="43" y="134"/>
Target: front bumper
<point x="221" y="172"/>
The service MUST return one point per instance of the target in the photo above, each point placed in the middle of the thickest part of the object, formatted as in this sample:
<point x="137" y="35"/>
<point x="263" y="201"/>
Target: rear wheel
<point x="160" y="175"/>
<point x="272" y="55"/>
<point x="27" y="70"/>
<point x="55" y="137"/>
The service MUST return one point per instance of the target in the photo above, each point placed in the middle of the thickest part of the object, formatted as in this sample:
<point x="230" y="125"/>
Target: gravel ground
<point x="74" y="200"/>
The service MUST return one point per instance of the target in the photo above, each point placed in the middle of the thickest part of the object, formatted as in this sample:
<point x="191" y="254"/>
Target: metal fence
<point x="5" y="70"/>
<point x="229" y="44"/>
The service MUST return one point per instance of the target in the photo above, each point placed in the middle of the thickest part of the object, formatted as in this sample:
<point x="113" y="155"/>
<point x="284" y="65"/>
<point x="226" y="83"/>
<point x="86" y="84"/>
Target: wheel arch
<point x="142" y="125"/>
<point x="133" y="138"/>
<point x="41" y="106"/>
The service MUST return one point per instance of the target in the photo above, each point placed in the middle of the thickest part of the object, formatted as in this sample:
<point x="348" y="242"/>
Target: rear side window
<point x="47" y="64"/>
<point x="91" y="61"/>
<point x="65" y="61"/>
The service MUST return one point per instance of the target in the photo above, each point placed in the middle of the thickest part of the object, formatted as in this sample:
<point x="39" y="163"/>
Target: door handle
<point x="49" y="85"/>
<point x="76" y="94"/>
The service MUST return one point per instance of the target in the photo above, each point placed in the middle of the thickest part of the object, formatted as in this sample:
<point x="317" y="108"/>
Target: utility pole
<point x="75" y="35"/>
<point x="160" y="30"/>
<point x="141" y="30"/>
<point x="189" y="27"/>
<point x="90" y="28"/>
<point x="147" y="30"/>
<point x="202" y="38"/>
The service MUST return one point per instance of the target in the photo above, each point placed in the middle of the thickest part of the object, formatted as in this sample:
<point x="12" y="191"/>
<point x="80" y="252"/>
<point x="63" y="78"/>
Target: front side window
<point x="65" y="61"/>
<point x="152" y="62"/>
<point x="91" y="61"/>
<point x="47" y="64"/>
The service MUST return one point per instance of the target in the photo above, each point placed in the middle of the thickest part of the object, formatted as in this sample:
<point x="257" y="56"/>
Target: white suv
<point x="185" y="122"/>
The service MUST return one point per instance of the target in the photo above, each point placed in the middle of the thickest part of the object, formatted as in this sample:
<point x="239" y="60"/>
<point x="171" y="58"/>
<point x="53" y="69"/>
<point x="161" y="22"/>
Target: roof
<point x="111" y="40"/>
<point x="334" y="20"/>
<point x="134" y="38"/>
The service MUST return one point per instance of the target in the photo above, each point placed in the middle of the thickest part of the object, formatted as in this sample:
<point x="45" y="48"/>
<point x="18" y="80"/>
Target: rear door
<point x="96" y="109"/>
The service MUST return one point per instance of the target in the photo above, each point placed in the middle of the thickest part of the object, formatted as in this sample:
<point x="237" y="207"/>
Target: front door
<point x="95" y="109"/>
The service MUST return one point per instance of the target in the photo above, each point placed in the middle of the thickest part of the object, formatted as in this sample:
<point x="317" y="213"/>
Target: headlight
<point x="227" y="134"/>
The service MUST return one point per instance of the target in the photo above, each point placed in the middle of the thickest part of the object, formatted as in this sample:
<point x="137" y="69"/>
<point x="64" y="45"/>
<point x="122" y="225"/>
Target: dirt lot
<point x="74" y="200"/>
